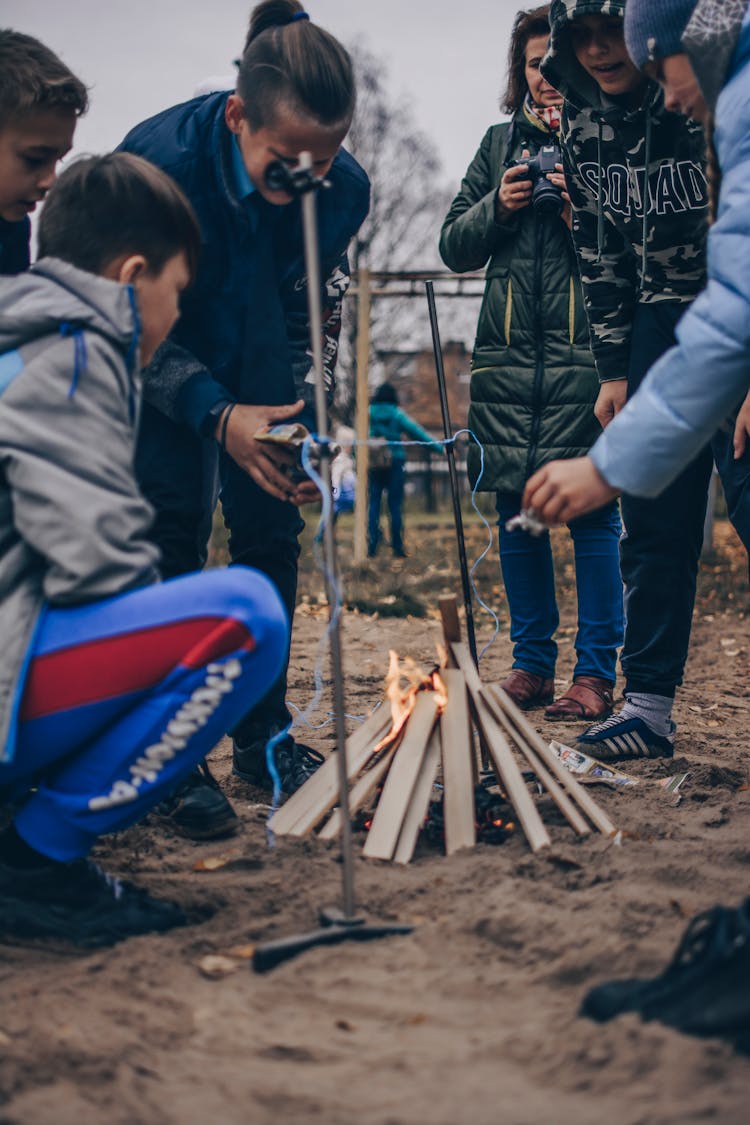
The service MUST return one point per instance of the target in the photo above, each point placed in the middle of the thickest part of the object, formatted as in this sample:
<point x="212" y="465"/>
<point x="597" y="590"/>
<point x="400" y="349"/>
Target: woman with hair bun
<point x="238" y="360"/>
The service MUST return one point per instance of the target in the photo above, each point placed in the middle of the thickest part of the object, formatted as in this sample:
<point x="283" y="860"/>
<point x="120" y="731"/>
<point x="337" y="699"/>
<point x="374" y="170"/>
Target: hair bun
<point x="273" y="13"/>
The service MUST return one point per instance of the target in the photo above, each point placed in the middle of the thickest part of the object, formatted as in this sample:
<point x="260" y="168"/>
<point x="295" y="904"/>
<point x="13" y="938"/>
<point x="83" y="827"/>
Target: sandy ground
<point x="472" y="1018"/>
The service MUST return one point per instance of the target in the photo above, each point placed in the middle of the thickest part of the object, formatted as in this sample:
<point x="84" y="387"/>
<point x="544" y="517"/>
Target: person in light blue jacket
<point x="701" y="55"/>
<point x="700" y="52"/>
<point x="389" y="422"/>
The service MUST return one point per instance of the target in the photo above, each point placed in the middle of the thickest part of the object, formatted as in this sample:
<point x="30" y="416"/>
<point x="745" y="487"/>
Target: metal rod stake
<point x="451" y="454"/>
<point x="336" y="926"/>
<point x="312" y="267"/>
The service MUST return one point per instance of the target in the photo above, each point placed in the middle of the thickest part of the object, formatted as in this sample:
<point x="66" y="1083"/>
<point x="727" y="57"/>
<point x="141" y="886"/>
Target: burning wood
<point x="393" y="761"/>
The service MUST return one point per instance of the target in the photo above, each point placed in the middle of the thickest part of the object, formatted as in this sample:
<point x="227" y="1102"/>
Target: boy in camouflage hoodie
<point x="636" y="178"/>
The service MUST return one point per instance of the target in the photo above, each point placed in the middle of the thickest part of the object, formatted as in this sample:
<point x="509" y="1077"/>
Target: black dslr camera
<point x="545" y="197"/>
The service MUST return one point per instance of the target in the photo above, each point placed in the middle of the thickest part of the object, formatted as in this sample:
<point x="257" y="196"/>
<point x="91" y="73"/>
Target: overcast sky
<point x="446" y="58"/>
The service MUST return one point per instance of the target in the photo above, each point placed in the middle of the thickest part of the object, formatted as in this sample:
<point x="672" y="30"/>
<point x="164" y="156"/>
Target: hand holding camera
<point x="538" y="180"/>
<point x="514" y="192"/>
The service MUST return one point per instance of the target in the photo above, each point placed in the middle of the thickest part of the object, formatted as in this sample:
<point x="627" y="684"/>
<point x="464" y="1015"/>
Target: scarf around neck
<point x="548" y="114"/>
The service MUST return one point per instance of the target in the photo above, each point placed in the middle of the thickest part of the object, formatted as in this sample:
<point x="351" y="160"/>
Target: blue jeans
<point x="390" y="481"/>
<point x="529" y="578"/>
<point x="123" y="697"/>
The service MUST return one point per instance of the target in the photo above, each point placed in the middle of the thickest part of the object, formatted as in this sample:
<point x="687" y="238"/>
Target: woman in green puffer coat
<point x="534" y="384"/>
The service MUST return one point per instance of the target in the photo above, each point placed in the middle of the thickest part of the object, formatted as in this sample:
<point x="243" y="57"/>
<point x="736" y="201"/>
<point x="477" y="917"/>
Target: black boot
<point x="295" y="762"/>
<point x="198" y="809"/>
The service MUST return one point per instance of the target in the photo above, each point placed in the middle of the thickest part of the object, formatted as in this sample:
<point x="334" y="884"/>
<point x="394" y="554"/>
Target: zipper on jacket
<point x="572" y="311"/>
<point x="536" y="393"/>
<point x="508" y="309"/>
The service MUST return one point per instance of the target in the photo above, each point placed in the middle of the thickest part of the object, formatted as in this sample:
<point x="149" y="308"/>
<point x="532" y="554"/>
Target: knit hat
<point x="654" y="28"/>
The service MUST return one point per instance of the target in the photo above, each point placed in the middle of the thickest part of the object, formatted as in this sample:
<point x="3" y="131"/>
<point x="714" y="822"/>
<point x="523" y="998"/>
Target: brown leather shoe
<point x="587" y="698"/>
<point x="528" y="690"/>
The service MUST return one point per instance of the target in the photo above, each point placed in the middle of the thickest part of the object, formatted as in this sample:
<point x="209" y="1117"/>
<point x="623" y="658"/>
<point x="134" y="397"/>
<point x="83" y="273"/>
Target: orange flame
<point x="402" y="700"/>
<point x="441" y="691"/>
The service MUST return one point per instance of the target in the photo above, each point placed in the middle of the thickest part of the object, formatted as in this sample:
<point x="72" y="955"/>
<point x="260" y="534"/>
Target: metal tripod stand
<point x="336" y="925"/>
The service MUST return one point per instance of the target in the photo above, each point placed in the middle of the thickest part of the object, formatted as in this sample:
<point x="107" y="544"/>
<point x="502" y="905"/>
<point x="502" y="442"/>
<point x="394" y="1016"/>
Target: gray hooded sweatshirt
<point x="73" y="524"/>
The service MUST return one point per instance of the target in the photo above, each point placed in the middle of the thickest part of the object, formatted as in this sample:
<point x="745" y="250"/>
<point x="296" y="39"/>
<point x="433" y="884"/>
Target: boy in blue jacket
<point x="40" y="102"/>
<point x="238" y="359"/>
<point x="112" y="685"/>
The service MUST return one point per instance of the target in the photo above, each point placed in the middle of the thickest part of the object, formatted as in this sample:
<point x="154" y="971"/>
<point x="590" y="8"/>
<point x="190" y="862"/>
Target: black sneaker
<point x="618" y="739"/>
<point x="705" y="989"/>
<point x="295" y="762"/>
<point x="198" y="808"/>
<point x="78" y="903"/>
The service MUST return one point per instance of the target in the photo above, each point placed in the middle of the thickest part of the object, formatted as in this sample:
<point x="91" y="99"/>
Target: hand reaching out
<point x="263" y="461"/>
<point x="563" y="490"/>
<point x="612" y="398"/>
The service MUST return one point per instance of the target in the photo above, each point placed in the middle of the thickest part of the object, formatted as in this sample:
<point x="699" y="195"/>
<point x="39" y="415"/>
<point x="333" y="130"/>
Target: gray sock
<point x="654" y="710"/>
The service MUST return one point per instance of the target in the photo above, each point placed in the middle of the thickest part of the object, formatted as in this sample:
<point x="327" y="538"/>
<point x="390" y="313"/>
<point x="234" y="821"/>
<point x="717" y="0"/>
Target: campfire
<point x="424" y="729"/>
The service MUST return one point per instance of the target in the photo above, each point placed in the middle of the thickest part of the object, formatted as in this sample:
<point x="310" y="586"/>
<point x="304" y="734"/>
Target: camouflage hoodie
<point x="610" y="152"/>
<point x="695" y="385"/>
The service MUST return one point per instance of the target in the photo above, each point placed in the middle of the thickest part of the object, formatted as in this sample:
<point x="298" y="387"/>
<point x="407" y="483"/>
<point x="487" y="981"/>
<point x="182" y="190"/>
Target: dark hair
<point x="386" y="392"/>
<point x="527" y="24"/>
<point x="102" y="207"/>
<point x="296" y="64"/>
<point x="32" y="77"/>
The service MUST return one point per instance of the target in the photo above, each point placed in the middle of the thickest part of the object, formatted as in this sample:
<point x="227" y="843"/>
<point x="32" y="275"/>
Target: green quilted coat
<point x="533" y="381"/>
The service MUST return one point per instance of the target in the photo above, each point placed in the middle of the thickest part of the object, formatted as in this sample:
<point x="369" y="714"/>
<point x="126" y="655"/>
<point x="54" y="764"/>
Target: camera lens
<point x="546" y="198"/>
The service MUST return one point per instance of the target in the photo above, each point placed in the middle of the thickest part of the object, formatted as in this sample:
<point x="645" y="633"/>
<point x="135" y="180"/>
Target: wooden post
<point x="545" y="778"/>
<point x="360" y="793"/>
<point x="502" y="756"/>
<point x="458" y="765"/>
<point x="317" y="796"/>
<point x="429" y="482"/>
<point x="448" y="607"/>
<point x="363" y="415"/>
<point x="420" y="802"/>
<point x="402" y="777"/>
<point x="583" y="799"/>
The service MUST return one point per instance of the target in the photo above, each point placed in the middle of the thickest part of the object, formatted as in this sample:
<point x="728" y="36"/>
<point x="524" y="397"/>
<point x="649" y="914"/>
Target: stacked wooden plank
<point x="399" y="773"/>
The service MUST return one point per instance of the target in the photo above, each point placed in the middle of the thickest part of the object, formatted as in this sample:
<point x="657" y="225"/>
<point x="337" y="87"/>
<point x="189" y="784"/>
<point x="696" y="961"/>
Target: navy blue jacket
<point x="14" y="246"/>
<point x="193" y="144"/>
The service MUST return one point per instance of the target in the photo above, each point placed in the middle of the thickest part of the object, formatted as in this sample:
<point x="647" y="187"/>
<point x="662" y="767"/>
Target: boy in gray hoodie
<point x="112" y="686"/>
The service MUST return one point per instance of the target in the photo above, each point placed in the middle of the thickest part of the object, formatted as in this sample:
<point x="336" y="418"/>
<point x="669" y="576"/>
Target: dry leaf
<point x="214" y="966"/>
<point x="5" y="1040"/>
<point x="214" y="862"/>
<point x="244" y="952"/>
